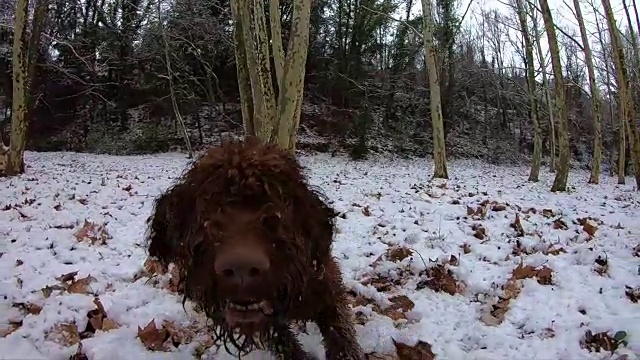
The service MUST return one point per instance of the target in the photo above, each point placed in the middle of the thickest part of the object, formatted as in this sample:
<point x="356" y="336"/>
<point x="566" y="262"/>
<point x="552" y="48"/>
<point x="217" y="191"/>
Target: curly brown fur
<point x="247" y="190"/>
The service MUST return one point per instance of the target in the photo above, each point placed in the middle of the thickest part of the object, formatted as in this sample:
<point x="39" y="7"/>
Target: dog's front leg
<point x="286" y="346"/>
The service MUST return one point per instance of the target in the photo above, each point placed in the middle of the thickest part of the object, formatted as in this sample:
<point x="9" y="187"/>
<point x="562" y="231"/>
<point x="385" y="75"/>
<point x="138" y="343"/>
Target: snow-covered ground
<point x="443" y="262"/>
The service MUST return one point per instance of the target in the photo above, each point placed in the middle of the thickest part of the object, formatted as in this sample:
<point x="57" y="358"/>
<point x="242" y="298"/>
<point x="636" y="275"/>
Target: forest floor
<point x="483" y="266"/>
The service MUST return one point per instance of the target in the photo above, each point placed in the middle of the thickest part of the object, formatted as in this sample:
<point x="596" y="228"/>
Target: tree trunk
<point x="242" y="70"/>
<point x="626" y="101"/>
<point x="564" y="158"/>
<point x="439" y="150"/>
<point x="547" y="92"/>
<point x="19" y="108"/>
<point x="271" y="111"/>
<point x="594" y="178"/>
<point x="534" y="175"/>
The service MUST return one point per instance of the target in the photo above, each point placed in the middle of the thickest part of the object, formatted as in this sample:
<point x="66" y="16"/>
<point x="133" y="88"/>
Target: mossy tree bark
<point x="439" y="149"/>
<point x="594" y="178"/>
<point x="534" y="174"/>
<point x="547" y="92"/>
<point x="624" y="93"/>
<point x="564" y="153"/>
<point x="270" y="110"/>
<point x="24" y="54"/>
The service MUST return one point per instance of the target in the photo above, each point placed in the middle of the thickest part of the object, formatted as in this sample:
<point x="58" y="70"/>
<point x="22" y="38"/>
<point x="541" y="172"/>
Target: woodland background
<point x="101" y="84"/>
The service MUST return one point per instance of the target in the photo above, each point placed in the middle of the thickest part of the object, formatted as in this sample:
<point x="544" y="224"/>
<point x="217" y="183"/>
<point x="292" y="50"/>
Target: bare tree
<point x="595" y="97"/>
<point x="174" y="102"/>
<point x="562" y="174"/>
<point x="274" y="108"/>
<point x="534" y="175"/>
<point x="439" y="150"/>
<point x="24" y="52"/>
<point x="546" y="89"/>
<point x="626" y="101"/>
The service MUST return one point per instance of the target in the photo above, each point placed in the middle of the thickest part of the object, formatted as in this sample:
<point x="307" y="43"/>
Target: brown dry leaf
<point x="498" y="312"/>
<point x="544" y="275"/>
<point x="366" y="211"/>
<point x="420" y="351"/>
<point x="560" y="224"/>
<point x="557" y="251"/>
<point x="602" y="265"/>
<point x="19" y="262"/>
<point x="48" y="290"/>
<point x="440" y="279"/>
<point x="517" y="226"/>
<point x="154" y="266"/>
<point x="466" y="248"/>
<point x="175" y="285"/>
<point x="81" y="286"/>
<point x="470" y="210"/>
<point x="395" y="254"/>
<point x="152" y="337"/>
<point x="98" y="319"/>
<point x="499" y="207"/>
<point x="28" y="308"/>
<point x="454" y="261"/>
<point x="548" y="213"/>
<point x="632" y="294"/>
<point x="547" y="333"/>
<point x="401" y="302"/>
<point x="479" y="231"/>
<point x="590" y="227"/>
<point x="64" y="334"/>
<point x="598" y="342"/>
<point x="79" y="354"/>
<point x="10" y="328"/>
<point x="179" y="335"/>
<point x="92" y="233"/>
<point x="67" y="277"/>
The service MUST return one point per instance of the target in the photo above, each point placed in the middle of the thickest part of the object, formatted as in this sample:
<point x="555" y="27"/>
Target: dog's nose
<point x="243" y="268"/>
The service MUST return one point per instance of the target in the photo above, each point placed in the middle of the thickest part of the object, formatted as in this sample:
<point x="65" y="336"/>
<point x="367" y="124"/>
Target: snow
<point x="386" y="202"/>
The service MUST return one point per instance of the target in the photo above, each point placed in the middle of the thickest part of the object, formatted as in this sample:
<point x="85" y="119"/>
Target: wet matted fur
<point x="266" y="186"/>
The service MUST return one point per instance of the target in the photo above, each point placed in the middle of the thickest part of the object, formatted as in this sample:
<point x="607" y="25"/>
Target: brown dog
<point x="253" y="242"/>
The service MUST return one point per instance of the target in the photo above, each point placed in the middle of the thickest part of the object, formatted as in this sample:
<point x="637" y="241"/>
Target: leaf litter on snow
<point x="427" y="264"/>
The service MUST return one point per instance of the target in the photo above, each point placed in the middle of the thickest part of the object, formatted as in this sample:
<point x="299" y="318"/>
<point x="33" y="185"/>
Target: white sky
<point x="562" y="12"/>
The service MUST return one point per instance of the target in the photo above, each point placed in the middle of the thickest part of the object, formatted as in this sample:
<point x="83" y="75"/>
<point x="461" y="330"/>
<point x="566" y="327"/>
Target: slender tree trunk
<point x="547" y="92"/>
<point x="275" y="107"/>
<point x="174" y="102"/>
<point x="595" y="98"/>
<point x="534" y="175"/>
<point x="439" y="149"/>
<point x="562" y="174"/>
<point x="626" y="101"/>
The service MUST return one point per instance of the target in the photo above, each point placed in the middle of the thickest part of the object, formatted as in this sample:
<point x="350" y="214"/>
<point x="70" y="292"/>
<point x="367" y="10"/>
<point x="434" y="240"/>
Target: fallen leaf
<point x="66" y="334"/>
<point x="420" y="351"/>
<point x="632" y="294"/>
<point x="560" y="224"/>
<point x="517" y="226"/>
<point x="366" y="211"/>
<point x="152" y="337"/>
<point x="499" y="207"/>
<point x="81" y="286"/>
<point x="10" y="328"/>
<point x="92" y="233"/>
<point x="440" y="279"/>
<point x="28" y="308"/>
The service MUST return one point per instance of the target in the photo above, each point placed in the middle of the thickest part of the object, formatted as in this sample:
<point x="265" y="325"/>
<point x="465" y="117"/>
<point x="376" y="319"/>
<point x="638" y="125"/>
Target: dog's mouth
<point x="247" y="312"/>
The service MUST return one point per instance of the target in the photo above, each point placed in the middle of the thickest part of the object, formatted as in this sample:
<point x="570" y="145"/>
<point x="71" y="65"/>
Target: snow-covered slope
<point x="442" y="262"/>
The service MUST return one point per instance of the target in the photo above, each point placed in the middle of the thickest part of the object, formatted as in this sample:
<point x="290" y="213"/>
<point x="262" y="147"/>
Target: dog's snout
<point x="242" y="267"/>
